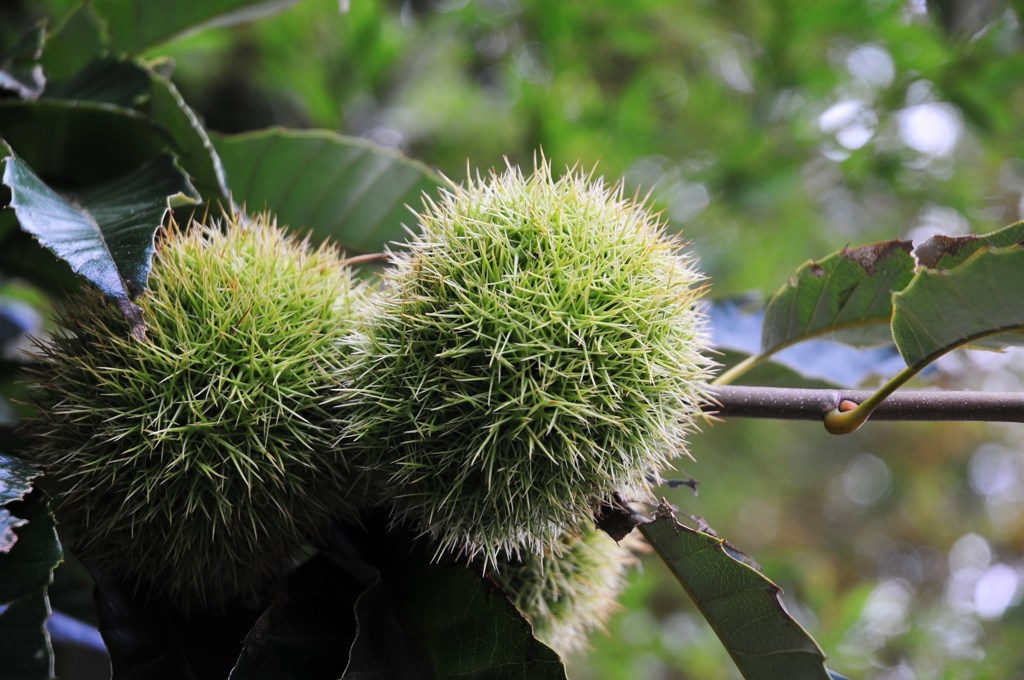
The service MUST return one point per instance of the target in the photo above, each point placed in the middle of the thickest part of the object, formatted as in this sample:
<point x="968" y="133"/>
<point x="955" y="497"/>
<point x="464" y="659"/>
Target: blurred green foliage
<point x="770" y="132"/>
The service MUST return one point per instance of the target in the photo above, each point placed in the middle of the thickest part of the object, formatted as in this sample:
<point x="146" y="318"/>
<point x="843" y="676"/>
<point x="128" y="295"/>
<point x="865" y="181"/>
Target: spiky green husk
<point x="569" y="593"/>
<point x="197" y="460"/>
<point x="537" y="349"/>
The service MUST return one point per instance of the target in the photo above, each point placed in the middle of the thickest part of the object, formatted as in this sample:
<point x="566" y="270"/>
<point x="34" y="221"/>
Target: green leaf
<point x="75" y="144"/>
<point x="143" y="90"/>
<point x="20" y="71"/>
<point x="976" y="302"/>
<point x="192" y="144"/>
<point x="27" y="565"/>
<point x="26" y="569"/>
<point x="134" y="26"/>
<point x="149" y="639"/>
<point x="106" y="233"/>
<point x="848" y="292"/>
<point x="738" y="601"/>
<point x="76" y="41"/>
<point x="307" y="630"/>
<point x="337" y="187"/>
<point x="455" y="625"/>
<point x="946" y="252"/>
<point x="112" y="81"/>
<point x="24" y="643"/>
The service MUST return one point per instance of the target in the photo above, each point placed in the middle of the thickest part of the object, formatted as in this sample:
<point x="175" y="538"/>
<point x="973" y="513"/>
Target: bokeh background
<point x="769" y="132"/>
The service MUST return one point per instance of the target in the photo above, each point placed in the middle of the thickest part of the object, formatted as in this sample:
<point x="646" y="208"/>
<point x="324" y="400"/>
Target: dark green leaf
<point x="112" y="81"/>
<point x="28" y="565"/>
<point x="382" y="648"/>
<point x="149" y="639"/>
<point x="20" y="71"/>
<point x="75" y="42"/>
<point x="26" y="569"/>
<point x="16" y="477"/>
<point x="464" y="626"/>
<point x="75" y="144"/>
<point x="24" y="643"/>
<point x="106" y="234"/>
<point x="307" y="631"/>
<point x="417" y="620"/>
<point x="134" y="26"/>
<point x="946" y="252"/>
<point x="170" y="121"/>
<point x="977" y="302"/>
<point x="191" y="142"/>
<point x="337" y="187"/>
<point x="738" y="601"/>
<point x="848" y="292"/>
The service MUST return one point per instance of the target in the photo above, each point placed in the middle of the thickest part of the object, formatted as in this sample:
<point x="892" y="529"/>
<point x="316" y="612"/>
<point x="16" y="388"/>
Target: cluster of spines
<point x="199" y="458"/>
<point x="536" y="349"/>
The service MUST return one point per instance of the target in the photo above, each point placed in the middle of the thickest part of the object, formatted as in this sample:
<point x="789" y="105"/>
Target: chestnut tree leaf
<point x="735" y="324"/>
<point x="114" y="81"/>
<point x="977" y="302"/>
<point x="105" y="233"/>
<point x="307" y="630"/>
<point x="190" y="141"/>
<point x="332" y="186"/>
<point x="20" y="71"/>
<point x="148" y="638"/>
<point x="133" y="27"/>
<point x="144" y="92"/>
<point x="75" y="144"/>
<point x="946" y="252"/>
<point x="73" y="42"/>
<point x="444" y="622"/>
<point x="28" y="562"/>
<point x="25" y="645"/>
<point x="739" y="602"/>
<point x="26" y="568"/>
<point x="848" y="293"/>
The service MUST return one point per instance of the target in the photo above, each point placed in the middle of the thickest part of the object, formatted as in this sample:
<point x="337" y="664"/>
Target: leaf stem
<point x="819" y="404"/>
<point x="739" y="369"/>
<point x="842" y="420"/>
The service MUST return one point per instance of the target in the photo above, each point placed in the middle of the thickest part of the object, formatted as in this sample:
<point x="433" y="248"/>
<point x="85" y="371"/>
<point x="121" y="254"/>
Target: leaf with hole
<point x="977" y="302"/>
<point x="846" y="293"/>
<point x="946" y="252"/>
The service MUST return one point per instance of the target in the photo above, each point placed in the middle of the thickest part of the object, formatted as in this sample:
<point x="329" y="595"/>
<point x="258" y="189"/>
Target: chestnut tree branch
<point x="731" y="401"/>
